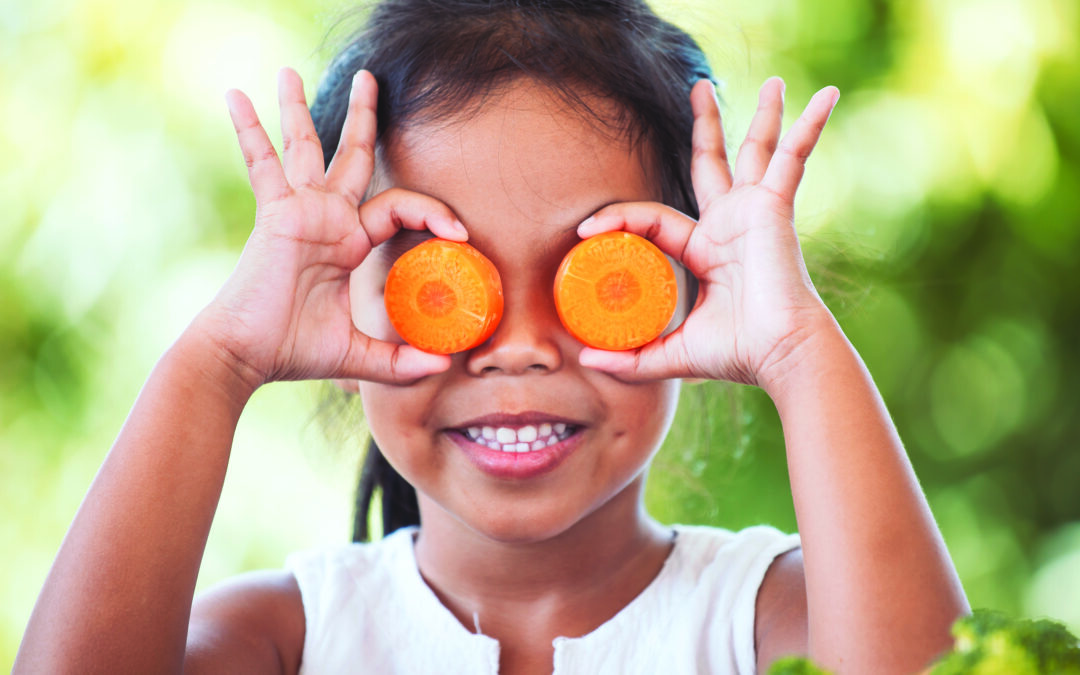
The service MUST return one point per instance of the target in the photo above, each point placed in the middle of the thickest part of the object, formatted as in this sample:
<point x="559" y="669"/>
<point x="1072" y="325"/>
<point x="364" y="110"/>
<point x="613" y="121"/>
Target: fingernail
<point x="586" y="223"/>
<point x="460" y="227"/>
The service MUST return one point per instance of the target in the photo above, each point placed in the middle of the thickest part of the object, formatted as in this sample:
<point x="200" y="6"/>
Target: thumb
<point x="659" y="360"/>
<point x="388" y="363"/>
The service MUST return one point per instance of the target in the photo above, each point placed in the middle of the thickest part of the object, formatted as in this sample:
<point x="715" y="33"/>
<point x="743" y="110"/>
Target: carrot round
<point x="615" y="291"/>
<point x="443" y="296"/>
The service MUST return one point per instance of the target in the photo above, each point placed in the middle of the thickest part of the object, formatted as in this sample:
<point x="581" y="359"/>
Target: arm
<point x="119" y="595"/>
<point x="880" y="589"/>
<point x="253" y="623"/>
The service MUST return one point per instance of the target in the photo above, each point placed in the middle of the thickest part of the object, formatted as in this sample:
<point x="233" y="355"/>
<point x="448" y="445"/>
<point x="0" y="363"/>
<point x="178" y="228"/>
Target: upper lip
<point x="503" y="419"/>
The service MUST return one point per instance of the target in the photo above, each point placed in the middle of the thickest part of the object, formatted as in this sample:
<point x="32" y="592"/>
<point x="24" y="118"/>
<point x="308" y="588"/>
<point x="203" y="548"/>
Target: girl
<point x="522" y="127"/>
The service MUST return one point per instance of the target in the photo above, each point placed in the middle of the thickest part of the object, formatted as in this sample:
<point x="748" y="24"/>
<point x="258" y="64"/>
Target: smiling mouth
<point x="527" y="438"/>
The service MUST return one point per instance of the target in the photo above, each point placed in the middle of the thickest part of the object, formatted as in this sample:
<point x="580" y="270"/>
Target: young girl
<point x="522" y="126"/>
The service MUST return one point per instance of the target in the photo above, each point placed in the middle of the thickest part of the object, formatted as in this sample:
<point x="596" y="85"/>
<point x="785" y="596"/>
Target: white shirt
<point x="368" y="610"/>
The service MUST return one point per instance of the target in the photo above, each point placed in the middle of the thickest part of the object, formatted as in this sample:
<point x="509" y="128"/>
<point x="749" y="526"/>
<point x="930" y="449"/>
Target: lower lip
<point x="517" y="465"/>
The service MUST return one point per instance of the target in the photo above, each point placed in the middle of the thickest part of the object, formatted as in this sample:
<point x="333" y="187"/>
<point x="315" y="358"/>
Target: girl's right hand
<point x="284" y="312"/>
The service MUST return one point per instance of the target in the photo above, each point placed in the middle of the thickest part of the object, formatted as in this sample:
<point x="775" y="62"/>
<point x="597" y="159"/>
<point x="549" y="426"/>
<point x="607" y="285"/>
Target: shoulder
<point x="742" y="555"/>
<point x="250" y="623"/>
<point x="754" y="583"/>
<point x="781" y="620"/>
<point x="324" y="575"/>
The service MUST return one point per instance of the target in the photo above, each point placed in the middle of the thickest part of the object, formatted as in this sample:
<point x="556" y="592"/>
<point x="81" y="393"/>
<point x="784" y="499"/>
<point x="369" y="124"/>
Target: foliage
<point x="993" y="643"/>
<point x="794" y="665"/>
<point x="989" y="643"/>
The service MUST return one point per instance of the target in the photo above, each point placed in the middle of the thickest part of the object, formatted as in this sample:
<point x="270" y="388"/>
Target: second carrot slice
<point x="443" y="296"/>
<point x="615" y="291"/>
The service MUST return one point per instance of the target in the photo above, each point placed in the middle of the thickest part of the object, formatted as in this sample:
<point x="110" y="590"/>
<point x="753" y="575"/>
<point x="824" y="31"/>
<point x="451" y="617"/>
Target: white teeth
<point x="523" y="439"/>
<point x="526" y="434"/>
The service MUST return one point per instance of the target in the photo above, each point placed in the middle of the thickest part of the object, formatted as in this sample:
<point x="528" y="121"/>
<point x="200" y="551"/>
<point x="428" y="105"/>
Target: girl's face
<point x="521" y="174"/>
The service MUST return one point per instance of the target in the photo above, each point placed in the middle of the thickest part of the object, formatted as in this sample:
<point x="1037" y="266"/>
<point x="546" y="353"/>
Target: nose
<point x="526" y="340"/>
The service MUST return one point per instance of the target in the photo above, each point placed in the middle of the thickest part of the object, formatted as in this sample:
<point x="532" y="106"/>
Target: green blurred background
<point x="940" y="217"/>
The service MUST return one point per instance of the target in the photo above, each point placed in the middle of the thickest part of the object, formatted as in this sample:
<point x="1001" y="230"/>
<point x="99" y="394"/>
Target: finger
<point x="788" y="163"/>
<point x="354" y="160"/>
<point x="709" y="170"/>
<point x="379" y="361"/>
<point x="760" y="142"/>
<point x="389" y="211"/>
<point x="264" y="169"/>
<point x="661" y="359"/>
<point x="300" y="144"/>
<point x="666" y="227"/>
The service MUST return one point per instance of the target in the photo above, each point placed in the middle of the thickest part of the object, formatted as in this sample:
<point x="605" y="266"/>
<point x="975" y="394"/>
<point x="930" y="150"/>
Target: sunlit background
<point x="940" y="216"/>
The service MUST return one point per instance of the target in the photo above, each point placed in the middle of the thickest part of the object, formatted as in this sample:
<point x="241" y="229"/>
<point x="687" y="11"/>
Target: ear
<point x="348" y="386"/>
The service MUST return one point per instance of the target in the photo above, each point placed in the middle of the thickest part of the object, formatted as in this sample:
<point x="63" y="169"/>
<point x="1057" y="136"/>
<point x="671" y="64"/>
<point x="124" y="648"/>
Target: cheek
<point x="396" y="418"/>
<point x="688" y="288"/>
<point x="366" y="302"/>
<point x="645" y="414"/>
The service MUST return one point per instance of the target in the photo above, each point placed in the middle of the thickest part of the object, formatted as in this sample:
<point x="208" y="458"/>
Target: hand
<point x="756" y="303"/>
<point x="284" y="313"/>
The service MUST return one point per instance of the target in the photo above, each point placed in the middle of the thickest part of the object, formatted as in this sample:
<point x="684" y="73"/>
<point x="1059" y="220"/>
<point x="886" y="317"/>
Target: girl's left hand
<point x="756" y="304"/>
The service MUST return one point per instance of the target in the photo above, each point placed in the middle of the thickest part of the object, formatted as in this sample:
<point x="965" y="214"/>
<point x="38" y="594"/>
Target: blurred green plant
<point x="993" y="643"/>
<point x="988" y="642"/>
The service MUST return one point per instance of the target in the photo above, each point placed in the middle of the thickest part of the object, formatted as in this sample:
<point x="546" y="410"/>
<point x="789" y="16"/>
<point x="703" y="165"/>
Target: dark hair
<point x="435" y="58"/>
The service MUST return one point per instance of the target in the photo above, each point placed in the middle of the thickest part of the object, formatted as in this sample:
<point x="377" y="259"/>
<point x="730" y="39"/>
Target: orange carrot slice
<point x="615" y="291"/>
<point x="443" y="296"/>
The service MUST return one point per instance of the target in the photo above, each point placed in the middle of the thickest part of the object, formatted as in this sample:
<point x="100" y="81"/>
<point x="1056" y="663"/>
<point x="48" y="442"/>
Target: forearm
<point x="119" y="593"/>
<point x="882" y="591"/>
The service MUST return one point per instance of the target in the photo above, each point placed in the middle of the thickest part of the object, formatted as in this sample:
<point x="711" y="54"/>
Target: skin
<point x="522" y="173"/>
<point x="872" y="590"/>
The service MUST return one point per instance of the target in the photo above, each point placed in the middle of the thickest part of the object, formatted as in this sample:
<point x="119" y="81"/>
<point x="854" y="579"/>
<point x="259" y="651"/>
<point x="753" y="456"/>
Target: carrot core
<point x="618" y="291"/>
<point x="443" y="296"/>
<point x="615" y="291"/>
<point x="435" y="299"/>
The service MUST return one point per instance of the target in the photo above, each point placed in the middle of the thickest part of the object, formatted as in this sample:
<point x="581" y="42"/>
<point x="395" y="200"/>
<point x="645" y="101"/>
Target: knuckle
<point x="765" y="141"/>
<point x="363" y="146"/>
<point x="307" y="137"/>
<point x="707" y="149"/>
<point x="799" y="151"/>
<point x="252" y="159"/>
<point x="654" y="227"/>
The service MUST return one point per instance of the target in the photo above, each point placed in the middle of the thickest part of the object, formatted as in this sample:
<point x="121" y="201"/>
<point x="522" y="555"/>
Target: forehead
<point x="521" y="157"/>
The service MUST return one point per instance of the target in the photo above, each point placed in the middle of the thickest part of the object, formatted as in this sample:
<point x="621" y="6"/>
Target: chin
<point x="523" y="525"/>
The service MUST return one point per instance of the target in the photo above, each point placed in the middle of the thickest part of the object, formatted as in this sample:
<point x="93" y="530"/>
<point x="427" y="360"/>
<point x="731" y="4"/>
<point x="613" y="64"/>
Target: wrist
<point x="203" y="351"/>
<point x="806" y="351"/>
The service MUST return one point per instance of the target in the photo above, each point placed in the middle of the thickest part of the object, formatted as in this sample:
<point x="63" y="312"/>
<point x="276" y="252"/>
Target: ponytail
<point x="396" y="496"/>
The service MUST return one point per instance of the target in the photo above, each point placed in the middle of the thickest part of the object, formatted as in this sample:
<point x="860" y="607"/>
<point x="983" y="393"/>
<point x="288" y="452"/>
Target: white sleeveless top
<point x="368" y="610"/>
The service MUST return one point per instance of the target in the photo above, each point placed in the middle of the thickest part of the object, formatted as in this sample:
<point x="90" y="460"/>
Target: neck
<point x="568" y="583"/>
